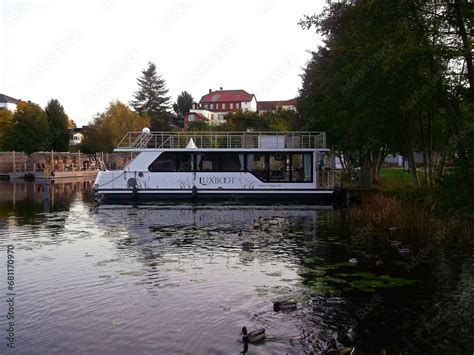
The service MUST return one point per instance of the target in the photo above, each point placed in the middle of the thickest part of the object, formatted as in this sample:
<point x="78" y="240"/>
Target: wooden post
<point x="79" y="160"/>
<point x="13" y="161"/>
<point x="51" y="168"/>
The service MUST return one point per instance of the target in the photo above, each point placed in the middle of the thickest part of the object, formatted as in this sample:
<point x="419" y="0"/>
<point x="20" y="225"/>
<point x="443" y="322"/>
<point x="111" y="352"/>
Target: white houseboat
<point x="258" y="165"/>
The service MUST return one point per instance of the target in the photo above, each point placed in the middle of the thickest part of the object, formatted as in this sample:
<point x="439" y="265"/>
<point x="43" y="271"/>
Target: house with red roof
<point x="271" y="106"/>
<point x="215" y="105"/>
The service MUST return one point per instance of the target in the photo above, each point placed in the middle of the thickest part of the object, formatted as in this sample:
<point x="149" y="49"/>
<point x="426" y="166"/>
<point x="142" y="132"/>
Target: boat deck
<point x="138" y="141"/>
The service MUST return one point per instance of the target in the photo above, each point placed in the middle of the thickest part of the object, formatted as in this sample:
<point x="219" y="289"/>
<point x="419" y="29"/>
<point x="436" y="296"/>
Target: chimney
<point x="221" y="88"/>
<point x="210" y="90"/>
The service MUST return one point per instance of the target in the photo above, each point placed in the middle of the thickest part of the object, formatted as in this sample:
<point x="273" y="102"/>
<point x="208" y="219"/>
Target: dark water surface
<point x="184" y="279"/>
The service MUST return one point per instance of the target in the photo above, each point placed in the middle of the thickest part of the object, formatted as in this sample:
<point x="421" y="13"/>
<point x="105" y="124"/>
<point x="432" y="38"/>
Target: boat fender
<point x="194" y="191"/>
<point x="135" y="192"/>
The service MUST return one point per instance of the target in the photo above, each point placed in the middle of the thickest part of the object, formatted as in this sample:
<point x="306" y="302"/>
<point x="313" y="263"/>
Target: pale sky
<point x="87" y="53"/>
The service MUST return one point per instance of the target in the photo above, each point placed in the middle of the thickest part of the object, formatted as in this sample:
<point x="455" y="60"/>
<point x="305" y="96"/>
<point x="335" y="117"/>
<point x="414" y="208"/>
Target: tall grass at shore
<point x="415" y="223"/>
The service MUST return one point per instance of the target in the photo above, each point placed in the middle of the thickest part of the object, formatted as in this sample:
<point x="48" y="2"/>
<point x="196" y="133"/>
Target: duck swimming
<point x="252" y="337"/>
<point x="333" y="350"/>
<point x="284" y="306"/>
<point x="353" y="261"/>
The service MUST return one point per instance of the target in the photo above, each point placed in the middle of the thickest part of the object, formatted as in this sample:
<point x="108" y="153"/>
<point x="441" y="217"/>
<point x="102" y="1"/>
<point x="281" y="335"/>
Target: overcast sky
<point x="87" y="53"/>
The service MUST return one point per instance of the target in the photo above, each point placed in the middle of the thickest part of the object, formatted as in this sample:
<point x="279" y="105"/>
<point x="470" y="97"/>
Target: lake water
<point x="185" y="278"/>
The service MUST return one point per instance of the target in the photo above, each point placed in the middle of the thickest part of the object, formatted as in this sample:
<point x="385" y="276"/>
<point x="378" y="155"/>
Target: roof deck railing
<point x="222" y="140"/>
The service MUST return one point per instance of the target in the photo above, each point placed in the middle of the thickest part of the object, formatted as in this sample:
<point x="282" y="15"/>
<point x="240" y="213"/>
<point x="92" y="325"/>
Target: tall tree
<point x="374" y="82"/>
<point x="58" y="122"/>
<point x="183" y="104"/>
<point x="5" y="127"/>
<point x="30" y="129"/>
<point x="109" y="127"/>
<point x="151" y="98"/>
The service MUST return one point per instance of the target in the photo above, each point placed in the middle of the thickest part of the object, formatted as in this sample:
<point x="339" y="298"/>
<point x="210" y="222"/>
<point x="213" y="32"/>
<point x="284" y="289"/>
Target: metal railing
<point x="223" y="140"/>
<point x="328" y="179"/>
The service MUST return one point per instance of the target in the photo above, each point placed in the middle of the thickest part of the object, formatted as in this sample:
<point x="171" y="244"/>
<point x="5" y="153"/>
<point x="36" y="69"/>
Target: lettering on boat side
<point x="208" y="180"/>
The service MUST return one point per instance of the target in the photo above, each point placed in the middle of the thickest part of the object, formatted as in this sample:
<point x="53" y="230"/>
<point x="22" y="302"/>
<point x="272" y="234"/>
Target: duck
<point x="255" y="336"/>
<point x="340" y="351"/>
<point x="392" y="230"/>
<point x="333" y="350"/>
<point x="395" y="243"/>
<point x="353" y="261"/>
<point x="88" y="255"/>
<point x="404" y="250"/>
<point x="247" y="246"/>
<point x="284" y="306"/>
<point x="334" y="301"/>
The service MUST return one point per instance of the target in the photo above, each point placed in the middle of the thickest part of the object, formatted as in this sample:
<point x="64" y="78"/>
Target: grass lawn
<point x="395" y="177"/>
<point x="389" y="178"/>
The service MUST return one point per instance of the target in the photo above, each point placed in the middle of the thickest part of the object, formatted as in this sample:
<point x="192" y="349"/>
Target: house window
<point x="223" y="106"/>
<point x="206" y="106"/>
<point x="237" y="105"/>
<point x="231" y="106"/>
<point x="191" y="117"/>
<point x="212" y="106"/>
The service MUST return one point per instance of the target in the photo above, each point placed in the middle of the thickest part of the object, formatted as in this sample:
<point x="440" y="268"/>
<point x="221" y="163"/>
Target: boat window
<point x="279" y="167"/>
<point x="220" y="162"/>
<point x="172" y="161"/>
<point x="301" y="167"/>
<point x="258" y="165"/>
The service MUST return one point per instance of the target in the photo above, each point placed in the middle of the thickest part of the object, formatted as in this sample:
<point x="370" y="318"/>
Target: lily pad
<point x="335" y="280"/>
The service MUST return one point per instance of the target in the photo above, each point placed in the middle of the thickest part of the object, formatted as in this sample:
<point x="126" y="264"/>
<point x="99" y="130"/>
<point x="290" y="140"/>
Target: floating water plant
<point x="368" y="282"/>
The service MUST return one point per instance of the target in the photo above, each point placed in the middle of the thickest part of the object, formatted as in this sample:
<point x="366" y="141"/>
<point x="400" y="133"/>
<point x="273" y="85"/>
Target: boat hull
<point x="313" y="195"/>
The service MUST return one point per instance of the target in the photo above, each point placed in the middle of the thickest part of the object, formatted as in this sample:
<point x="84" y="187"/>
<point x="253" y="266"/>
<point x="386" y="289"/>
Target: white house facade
<point x="8" y="103"/>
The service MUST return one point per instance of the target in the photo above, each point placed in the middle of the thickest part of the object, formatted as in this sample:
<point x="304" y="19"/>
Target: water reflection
<point x="185" y="278"/>
<point x="26" y="200"/>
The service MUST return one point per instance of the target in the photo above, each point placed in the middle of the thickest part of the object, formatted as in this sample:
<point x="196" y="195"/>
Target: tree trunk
<point x="423" y="144"/>
<point x="442" y="160"/>
<point x="466" y="46"/>
<point x="411" y="161"/>
<point x="431" y="166"/>
<point x="454" y="122"/>
<point x="342" y="159"/>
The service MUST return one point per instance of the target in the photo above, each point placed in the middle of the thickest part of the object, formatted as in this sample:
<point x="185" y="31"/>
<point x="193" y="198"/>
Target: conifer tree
<point x="58" y="122"/>
<point x="151" y="98"/>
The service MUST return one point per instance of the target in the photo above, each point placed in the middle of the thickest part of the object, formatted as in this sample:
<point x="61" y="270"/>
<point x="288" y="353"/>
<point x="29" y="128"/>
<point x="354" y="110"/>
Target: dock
<point x="88" y="174"/>
<point x="50" y="166"/>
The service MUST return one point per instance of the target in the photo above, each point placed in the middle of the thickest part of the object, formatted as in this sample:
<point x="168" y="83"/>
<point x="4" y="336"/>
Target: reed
<point x="415" y="222"/>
